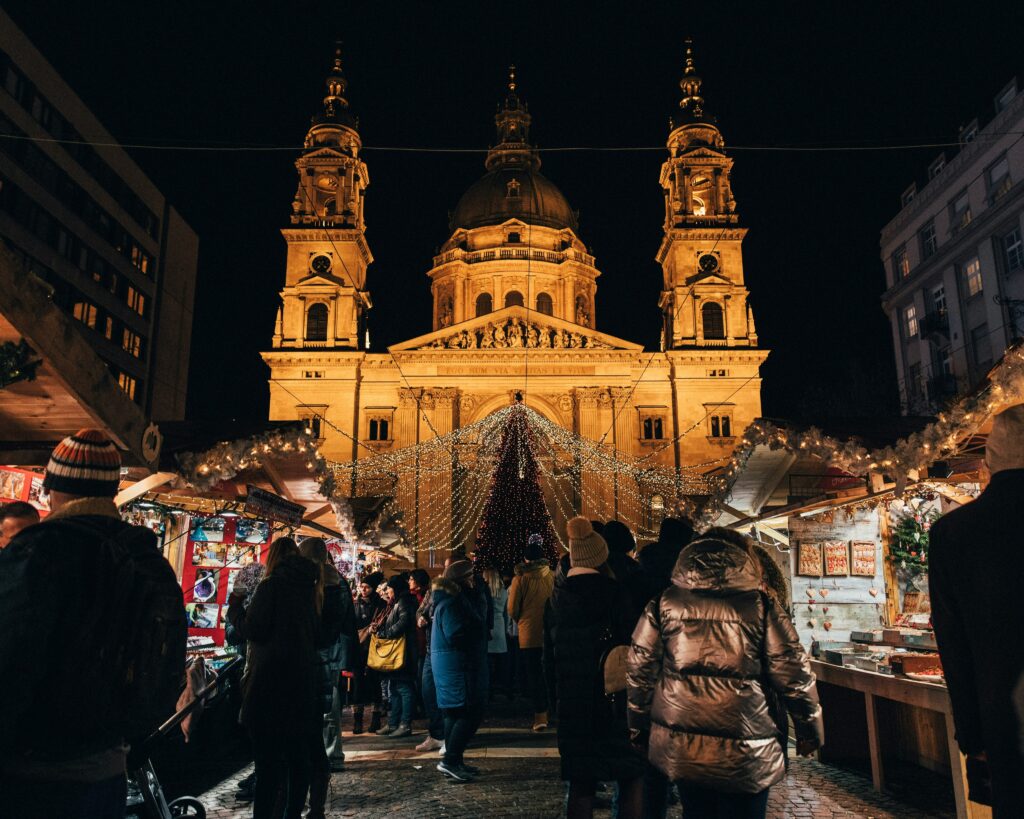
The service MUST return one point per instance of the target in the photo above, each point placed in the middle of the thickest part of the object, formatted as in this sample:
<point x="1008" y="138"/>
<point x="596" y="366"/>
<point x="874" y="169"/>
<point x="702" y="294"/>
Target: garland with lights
<point x="515" y="508"/>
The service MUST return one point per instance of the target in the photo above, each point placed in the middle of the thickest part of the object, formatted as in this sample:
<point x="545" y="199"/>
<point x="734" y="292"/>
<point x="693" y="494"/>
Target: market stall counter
<point x="903" y="718"/>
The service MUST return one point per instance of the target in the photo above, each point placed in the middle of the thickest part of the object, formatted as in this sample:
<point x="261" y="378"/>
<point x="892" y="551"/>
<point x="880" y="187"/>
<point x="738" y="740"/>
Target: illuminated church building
<point x="515" y="309"/>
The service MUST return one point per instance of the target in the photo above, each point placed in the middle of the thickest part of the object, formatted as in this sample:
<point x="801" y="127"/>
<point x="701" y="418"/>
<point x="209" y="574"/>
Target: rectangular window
<point x="969" y="132"/>
<point x="136" y="301"/>
<point x="127" y="383"/>
<point x="945" y="359"/>
<point x="380" y="429"/>
<point x="85" y="313"/>
<point x="936" y="167"/>
<point x="914" y="381"/>
<point x="652" y="428"/>
<point x="910" y="322"/>
<point x="908" y="196"/>
<point x="928" y="241"/>
<point x="939" y="298"/>
<point x="981" y="346"/>
<point x="998" y="179"/>
<point x="313" y="374"/>
<point x="721" y="426"/>
<point x="901" y="263"/>
<point x="972" y="277"/>
<point x="1013" y="250"/>
<point x="1005" y="97"/>
<point x="131" y="343"/>
<point x="108" y="328"/>
<point x="959" y="212"/>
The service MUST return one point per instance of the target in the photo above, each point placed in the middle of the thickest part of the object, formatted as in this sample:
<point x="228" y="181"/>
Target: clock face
<point x="708" y="263"/>
<point x="321" y="264"/>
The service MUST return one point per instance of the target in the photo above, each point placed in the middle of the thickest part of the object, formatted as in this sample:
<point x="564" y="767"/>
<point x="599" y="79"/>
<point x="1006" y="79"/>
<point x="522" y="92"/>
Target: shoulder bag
<point x="386" y="654"/>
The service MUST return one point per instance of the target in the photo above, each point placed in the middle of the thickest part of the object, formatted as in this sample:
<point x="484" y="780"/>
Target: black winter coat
<point x="976" y="564"/>
<point x="657" y="560"/>
<point x="280" y="687"/>
<point x="588" y="614"/>
<point x="401" y="620"/>
<point x="365" y="611"/>
<point x="51" y="583"/>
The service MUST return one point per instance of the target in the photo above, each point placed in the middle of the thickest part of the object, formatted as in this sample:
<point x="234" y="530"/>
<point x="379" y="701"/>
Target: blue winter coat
<point x="458" y="646"/>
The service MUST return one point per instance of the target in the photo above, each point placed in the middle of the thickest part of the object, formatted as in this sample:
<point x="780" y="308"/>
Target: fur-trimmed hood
<point x="531" y="566"/>
<point x="444" y="584"/>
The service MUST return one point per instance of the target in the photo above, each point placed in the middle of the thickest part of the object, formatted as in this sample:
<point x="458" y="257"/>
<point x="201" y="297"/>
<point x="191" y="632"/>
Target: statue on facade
<point x="532" y="336"/>
<point x="545" y="338"/>
<point x="487" y="337"/>
<point x="582" y="316"/>
<point x="515" y="333"/>
<point x="467" y="340"/>
<point x="559" y="340"/>
<point x="444" y="318"/>
<point x="499" y="336"/>
<point x="575" y="340"/>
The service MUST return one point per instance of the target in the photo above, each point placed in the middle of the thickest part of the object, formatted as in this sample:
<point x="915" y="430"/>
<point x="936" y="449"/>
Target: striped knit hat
<point x="86" y="464"/>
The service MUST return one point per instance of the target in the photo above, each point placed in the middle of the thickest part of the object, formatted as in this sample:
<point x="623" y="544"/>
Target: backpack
<point x="128" y="669"/>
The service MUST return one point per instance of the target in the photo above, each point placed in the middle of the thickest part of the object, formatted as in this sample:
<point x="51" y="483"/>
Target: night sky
<point x="594" y="74"/>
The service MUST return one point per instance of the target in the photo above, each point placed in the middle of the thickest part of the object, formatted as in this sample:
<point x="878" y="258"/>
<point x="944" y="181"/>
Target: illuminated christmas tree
<point x="515" y="507"/>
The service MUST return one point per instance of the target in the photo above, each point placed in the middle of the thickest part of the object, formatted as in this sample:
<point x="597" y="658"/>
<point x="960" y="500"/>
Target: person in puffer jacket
<point x="701" y="658"/>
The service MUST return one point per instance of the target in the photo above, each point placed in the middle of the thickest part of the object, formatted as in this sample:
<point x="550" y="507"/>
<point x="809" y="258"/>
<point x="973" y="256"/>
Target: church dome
<point x="513" y="187"/>
<point x="513" y="193"/>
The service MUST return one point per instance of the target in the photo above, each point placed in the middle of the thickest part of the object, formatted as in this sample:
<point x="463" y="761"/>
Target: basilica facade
<point x="515" y="315"/>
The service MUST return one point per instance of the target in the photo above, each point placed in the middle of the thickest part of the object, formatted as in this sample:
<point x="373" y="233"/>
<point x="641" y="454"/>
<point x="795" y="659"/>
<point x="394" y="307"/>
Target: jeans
<point x="282" y="764"/>
<point x="319" y="776"/>
<point x="38" y="799"/>
<point x="460" y="724"/>
<point x="435" y="719"/>
<point x="403" y="700"/>
<point x="705" y="803"/>
<point x="536" y="689"/>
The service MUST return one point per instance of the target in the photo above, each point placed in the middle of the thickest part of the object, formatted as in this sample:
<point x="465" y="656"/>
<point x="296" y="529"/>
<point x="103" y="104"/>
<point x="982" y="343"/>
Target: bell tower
<point x="703" y="298"/>
<point x="324" y="300"/>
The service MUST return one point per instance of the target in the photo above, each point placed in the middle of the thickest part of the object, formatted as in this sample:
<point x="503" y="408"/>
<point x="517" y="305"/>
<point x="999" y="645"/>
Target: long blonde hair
<point x="279" y="549"/>
<point x="494" y="581"/>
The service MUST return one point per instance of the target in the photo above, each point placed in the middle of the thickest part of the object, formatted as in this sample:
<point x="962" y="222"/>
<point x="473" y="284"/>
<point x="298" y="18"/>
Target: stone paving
<point x="387" y="778"/>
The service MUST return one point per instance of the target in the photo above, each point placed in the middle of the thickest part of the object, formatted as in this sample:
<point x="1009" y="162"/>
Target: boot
<point x="357" y="720"/>
<point x="540" y="721"/>
<point x="374" y="721"/>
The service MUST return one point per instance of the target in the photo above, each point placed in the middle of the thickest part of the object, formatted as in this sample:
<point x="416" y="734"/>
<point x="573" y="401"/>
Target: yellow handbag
<point x="386" y="654"/>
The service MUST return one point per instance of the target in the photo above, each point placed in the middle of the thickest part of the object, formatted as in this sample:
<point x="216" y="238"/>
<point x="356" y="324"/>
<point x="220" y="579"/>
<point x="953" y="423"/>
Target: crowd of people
<point x="668" y="672"/>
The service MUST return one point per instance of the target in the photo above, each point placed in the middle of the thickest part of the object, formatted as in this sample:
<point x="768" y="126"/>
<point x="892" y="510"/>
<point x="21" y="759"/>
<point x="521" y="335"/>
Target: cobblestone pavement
<point x="387" y="778"/>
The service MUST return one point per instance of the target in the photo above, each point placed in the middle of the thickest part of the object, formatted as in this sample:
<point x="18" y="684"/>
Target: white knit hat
<point x="587" y="549"/>
<point x="1005" y="446"/>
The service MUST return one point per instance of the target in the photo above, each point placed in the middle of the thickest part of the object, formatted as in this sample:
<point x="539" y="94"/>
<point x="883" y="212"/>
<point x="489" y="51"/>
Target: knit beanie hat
<point x="86" y="464"/>
<point x="398" y="584"/>
<point x="534" y="547"/>
<point x="373" y="579"/>
<point x="1005" y="446"/>
<point x="458" y="569"/>
<point x="587" y="549"/>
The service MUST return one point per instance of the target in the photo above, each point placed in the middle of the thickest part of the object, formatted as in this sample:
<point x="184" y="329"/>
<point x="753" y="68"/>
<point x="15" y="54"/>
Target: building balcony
<point x="934" y="325"/>
<point x="942" y="387"/>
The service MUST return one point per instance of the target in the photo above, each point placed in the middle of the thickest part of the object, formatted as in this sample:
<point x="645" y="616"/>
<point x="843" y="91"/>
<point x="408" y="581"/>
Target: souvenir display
<point x="809" y="559"/>
<point x="862" y="562"/>
<point x="837" y="558"/>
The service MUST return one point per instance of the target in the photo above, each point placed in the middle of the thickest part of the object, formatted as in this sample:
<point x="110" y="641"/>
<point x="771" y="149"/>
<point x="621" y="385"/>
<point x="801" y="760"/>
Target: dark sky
<point x="594" y="74"/>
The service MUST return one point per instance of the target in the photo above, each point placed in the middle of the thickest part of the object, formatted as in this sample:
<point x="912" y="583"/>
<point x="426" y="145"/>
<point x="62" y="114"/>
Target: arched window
<point x="331" y="207"/>
<point x="316" y="323"/>
<point x="544" y="304"/>
<point x="513" y="298"/>
<point x="713" y="320"/>
<point x="484" y="304"/>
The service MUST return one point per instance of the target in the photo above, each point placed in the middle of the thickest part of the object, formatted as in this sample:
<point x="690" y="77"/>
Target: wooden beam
<point x="279" y="484"/>
<point x="140" y="488"/>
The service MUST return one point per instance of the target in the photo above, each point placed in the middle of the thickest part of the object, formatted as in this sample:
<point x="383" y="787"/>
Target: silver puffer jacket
<point x="701" y="654"/>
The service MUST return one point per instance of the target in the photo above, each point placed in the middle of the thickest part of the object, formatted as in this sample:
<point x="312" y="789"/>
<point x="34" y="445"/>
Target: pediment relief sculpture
<point x="515" y="333"/>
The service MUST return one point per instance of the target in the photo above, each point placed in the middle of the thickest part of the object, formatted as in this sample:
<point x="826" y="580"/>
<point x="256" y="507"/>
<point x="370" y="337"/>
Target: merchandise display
<point x="223" y="553"/>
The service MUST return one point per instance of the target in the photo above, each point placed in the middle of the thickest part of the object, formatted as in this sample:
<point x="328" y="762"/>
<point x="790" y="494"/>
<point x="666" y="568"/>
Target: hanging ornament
<point x="873" y="591"/>
<point x="823" y="592"/>
<point x="812" y="623"/>
<point x="810" y="592"/>
<point x="827" y="625"/>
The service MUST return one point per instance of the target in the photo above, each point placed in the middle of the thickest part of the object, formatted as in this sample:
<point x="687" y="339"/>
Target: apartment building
<point x="84" y="218"/>
<point x="954" y="260"/>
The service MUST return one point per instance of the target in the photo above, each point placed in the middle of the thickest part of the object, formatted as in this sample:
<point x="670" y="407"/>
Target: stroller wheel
<point x="187" y="807"/>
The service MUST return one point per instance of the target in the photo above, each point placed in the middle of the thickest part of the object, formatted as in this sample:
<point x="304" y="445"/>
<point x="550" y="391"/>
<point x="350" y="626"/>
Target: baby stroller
<point x="145" y="796"/>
